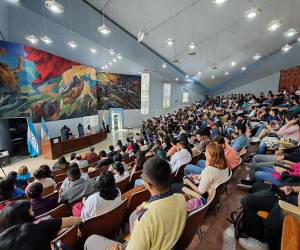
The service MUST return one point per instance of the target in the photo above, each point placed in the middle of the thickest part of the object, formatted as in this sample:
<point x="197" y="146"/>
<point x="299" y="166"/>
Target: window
<point x="145" y="95"/>
<point x="185" y="96"/>
<point x="167" y="95"/>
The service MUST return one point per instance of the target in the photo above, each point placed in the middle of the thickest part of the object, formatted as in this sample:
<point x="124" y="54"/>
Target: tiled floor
<point x="34" y="163"/>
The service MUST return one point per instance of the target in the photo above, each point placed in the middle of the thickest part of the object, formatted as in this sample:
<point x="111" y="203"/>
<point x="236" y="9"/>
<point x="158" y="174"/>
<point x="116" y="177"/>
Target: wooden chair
<point x="58" y="185"/>
<point x="57" y="212"/>
<point x="48" y="190"/>
<point x="95" y="173"/>
<point x="123" y="185"/>
<point x="193" y="224"/>
<point x="137" y="199"/>
<point x="129" y="193"/>
<point x="290" y="238"/>
<point x="149" y="155"/>
<point x="133" y="177"/>
<point x="69" y="238"/>
<point x="196" y="158"/>
<point x="178" y="176"/>
<point x="31" y="179"/>
<point x="55" y="194"/>
<point x="60" y="177"/>
<point x="106" y="225"/>
<point x="58" y="172"/>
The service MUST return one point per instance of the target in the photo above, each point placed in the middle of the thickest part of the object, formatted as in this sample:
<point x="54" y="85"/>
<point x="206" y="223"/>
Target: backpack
<point x="236" y="218"/>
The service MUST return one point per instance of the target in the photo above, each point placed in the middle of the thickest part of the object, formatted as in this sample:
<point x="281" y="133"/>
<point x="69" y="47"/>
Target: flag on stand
<point x="44" y="130"/>
<point x="32" y="142"/>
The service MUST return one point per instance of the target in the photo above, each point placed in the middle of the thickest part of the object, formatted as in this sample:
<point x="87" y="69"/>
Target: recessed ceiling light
<point x="141" y="35"/>
<point x="54" y="6"/>
<point x="226" y="73"/>
<point x="199" y="73"/>
<point x="213" y="77"/>
<point x="105" y="66"/>
<point x="72" y="44"/>
<point x="192" y="46"/>
<point x="111" y="51"/>
<point x="176" y="79"/>
<point x="187" y="76"/>
<point x="93" y="50"/>
<point x="32" y="38"/>
<point x="46" y="39"/>
<point x="274" y="25"/>
<point x="290" y="33"/>
<point x="104" y="30"/>
<point x="102" y="67"/>
<point x="233" y="63"/>
<point x="286" y="48"/>
<point x="257" y="56"/>
<point x="219" y="1"/>
<point x="170" y="41"/>
<point x="13" y="1"/>
<point x="164" y="65"/>
<point x="115" y="60"/>
<point x="119" y="56"/>
<point x="252" y="12"/>
<point x="110" y="63"/>
<point x="140" y="72"/>
<point x="243" y="68"/>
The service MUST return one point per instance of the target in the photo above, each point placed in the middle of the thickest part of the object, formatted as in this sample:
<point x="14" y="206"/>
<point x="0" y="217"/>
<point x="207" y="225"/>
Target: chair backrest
<point x="94" y="173"/>
<point x="178" y="177"/>
<point x="58" y="185"/>
<point x="69" y="238"/>
<point x="58" y="172"/>
<point x="243" y="152"/>
<point x="57" y="212"/>
<point x="123" y="185"/>
<point x="196" y="158"/>
<point x="137" y="199"/>
<point x="194" y="220"/>
<point x="31" y="179"/>
<point x="130" y="192"/>
<point x="54" y="194"/>
<point x="47" y="190"/>
<point x="290" y="238"/>
<point x="106" y="225"/>
<point x="60" y="177"/>
<point x="136" y="175"/>
<point x="220" y="189"/>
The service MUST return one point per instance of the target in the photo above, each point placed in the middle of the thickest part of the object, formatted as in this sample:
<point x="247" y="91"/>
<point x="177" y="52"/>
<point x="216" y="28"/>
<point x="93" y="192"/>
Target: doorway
<point x="116" y="118"/>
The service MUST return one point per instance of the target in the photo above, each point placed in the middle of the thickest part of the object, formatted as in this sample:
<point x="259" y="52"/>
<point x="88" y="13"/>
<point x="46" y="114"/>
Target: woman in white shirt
<point x="215" y="173"/>
<point x="40" y="176"/>
<point x="181" y="157"/>
<point x="119" y="172"/>
<point x="103" y="201"/>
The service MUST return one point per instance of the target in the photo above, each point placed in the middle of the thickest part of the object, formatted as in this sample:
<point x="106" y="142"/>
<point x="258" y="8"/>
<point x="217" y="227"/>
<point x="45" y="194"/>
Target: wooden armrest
<point x="263" y="214"/>
<point x="289" y="208"/>
<point x="191" y="192"/>
<point x="127" y="237"/>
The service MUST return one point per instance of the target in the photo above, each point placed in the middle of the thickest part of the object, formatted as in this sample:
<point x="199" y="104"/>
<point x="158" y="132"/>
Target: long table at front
<point x="56" y="147"/>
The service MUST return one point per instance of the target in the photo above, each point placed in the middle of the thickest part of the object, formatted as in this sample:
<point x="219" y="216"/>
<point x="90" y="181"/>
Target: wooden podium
<point x="56" y="147"/>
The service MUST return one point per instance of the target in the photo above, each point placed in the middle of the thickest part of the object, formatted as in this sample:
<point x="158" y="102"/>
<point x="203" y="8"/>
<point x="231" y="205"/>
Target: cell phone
<point x="281" y="166"/>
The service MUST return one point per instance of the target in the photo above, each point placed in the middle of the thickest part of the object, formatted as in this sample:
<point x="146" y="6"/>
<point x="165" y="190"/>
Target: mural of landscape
<point x="38" y="84"/>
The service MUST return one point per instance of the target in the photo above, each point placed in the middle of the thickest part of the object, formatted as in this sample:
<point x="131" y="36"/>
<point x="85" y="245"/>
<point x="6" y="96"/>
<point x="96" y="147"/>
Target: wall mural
<point x="38" y="84"/>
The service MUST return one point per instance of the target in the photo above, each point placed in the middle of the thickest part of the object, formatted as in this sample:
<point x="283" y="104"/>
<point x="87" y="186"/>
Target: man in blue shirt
<point x="242" y="140"/>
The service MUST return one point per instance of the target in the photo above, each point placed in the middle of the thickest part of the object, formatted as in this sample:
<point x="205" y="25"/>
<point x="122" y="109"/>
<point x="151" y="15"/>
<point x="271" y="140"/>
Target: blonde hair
<point x="217" y="157"/>
<point x="22" y="170"/>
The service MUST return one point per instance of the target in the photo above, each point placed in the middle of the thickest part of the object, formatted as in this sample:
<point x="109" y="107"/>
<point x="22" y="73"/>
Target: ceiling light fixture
<point x="46" y="39"/>
<point x="298" y="39"/>
<point x="111" y="51"/>
<point x="252" y="12"/>
<point x="290" y="33"/>
<point x="187" y="76"/>
<point x="176" y="79"/>
<point x="115" y="60"/>
<point x="72" y="44"/>
<point x="192" y="46"/>
<point x="274" y="25"/>
<point x="219" y="1"/>
<point x="170" y="41"/>
<point x="32" y="38"/>
<point x="226" y="73"/>
<point x="233" y="63"/>
<point x="13" y="1"/>
<point x="164" y="65"/>
<point x="103" y="68"/>
<point x="104" y="30"/>
<point x="54" y="6"/>
<point x="243" y="68"/>
<point x="110" y="63"/>
<point x="286" y="48"/>
<point x="93" y="50"/>
<point x="199" y="73"/>
<point x="213" y="77"/>
<point x="119" y="56"/>
<point x="257" y="56"/>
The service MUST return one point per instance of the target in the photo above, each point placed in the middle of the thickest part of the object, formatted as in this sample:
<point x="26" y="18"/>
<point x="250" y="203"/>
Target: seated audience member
<point x="202" y="137"/>
<point x="125" y="155"/>
<point x="107" y="197"/>
<point x="292" y="127"/>
<point x="47" y="170"/>
<point x="174" y="147"/>
<point x="135" y="149"/>
<point x="60" y="164"/>
<point x="66" y="183"/>
<point x="160" y="221"/>
<point x="142" y="145"/>
<point x="112" y="152"/>
<point x="8" y="187"/>
<point x="216" y="171"/>
<point x="39" y="204"/>
<point x="91" y="156"/>
<point x="158" y="150"/>
<point x="19" y="231"/>
<point x="72" y="158"/>
<point x="129" y="144"/>
<point x="138" y="162"/>
<point x="40" y="176"/>
<point x="65" y="133"/>
<point x="167" y="143"/>
<point x="117" y="157"/>
<point x="104" y="160"/>
<point x="242" y="140"/>
<point x="80" y="162"/>
<point x="23" y="176"/>
<point x="181" y="157"/>
<point x="119" y="145"/>
<point x="78" y="187"/>
<point x="119" y="171"/>
<point x="89" y="130"/>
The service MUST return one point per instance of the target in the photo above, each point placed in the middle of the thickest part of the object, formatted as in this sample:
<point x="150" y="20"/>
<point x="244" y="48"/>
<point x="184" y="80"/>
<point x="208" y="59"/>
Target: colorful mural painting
<point x="118" y="91"/>
<point x="38" y="84"/>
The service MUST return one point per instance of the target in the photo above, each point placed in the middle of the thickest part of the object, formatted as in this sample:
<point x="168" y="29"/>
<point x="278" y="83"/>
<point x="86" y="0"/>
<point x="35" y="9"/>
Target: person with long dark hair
<point x="107" y="197"/>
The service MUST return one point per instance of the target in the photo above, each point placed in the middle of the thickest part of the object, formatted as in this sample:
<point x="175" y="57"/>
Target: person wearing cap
<point x="40" y="205"/>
